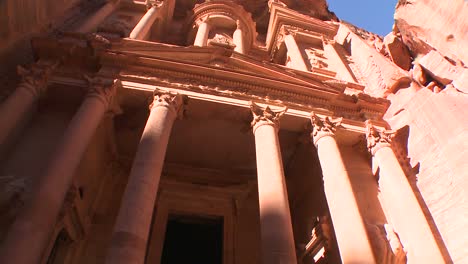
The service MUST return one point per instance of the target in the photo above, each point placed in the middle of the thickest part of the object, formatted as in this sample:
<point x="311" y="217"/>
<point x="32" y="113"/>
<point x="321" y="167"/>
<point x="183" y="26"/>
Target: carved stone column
<point x="131" y="231"/>
<point x="294" y="55"/>
<point x="238" y="38"/>
<point x="97" y="18"/>
<point x="202" y="33"/>
<point x="143" y="27"/>
<point x="351" y="236"/>
<point x="15" y="109"/>
<point x="34" y="225"/>
<point x="404" y="211"/>
<point x="275" y="220"/>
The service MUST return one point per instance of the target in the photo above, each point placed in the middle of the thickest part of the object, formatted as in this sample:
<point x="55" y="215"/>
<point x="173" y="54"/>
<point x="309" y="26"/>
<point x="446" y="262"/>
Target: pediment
<point x="218" y="58"/>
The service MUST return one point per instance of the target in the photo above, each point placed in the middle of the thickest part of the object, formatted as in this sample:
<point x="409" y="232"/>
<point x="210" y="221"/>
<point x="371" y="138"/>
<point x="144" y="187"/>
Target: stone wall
<point x="432" y="112"/>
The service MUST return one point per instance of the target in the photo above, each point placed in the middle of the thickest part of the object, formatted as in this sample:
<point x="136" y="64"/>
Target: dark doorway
<point x="193" y="239"/>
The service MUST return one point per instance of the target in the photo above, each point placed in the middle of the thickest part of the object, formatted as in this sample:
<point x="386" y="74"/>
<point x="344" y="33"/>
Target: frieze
<point x="246" y="91"/>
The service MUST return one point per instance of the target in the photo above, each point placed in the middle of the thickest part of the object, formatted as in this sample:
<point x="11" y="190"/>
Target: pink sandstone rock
<point x="443" y="71"/>
<point x="398" y="51"/>
<point x="434" y="24"/>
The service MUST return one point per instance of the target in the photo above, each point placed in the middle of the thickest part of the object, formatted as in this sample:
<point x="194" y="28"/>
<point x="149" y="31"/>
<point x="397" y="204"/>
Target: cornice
<point x="258" y="81"/>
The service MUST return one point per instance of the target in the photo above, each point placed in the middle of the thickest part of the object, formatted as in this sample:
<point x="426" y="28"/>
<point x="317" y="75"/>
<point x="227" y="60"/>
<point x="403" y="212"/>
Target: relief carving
<point x="173" y="101"/>
<point x="103" y="88"/>
<point x="262" y="116"/>
<point x="35" y="78"/>
<point x="322" y="127"/>
<point x="385" y="240"/>
<point x="377" y="139"/>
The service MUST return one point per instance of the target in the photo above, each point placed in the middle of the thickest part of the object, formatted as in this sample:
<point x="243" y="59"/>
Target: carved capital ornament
<point x="265" y="116"/>
<point x="102" y="88"/>
<point x="377" y="139"/>
<point x="173" y="101"/>
<point x="323" y="127"/>
<point x="35" y="78"/>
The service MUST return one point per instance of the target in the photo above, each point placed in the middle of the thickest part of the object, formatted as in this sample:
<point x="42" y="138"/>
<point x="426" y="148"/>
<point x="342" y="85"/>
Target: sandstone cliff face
<point x="434" y="24"/>
<point x="433" y="110"/>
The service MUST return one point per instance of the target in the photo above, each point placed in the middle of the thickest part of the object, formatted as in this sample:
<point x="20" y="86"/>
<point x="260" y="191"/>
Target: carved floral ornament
<point x="173" y="101"/>
<point x="377" y="139"/>
<point x="153" y="3"/>
<point x="322" y="127"/>
<point x="103" y="88"/>
<point x="36" y="77"/>
<point x="265" y="116"/>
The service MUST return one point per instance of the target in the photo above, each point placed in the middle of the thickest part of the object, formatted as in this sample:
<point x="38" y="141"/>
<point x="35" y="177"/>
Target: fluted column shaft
<point x="202" y="33"/>
<point x="29" y="235"/>
<point x="294" y="53"/>
<point x="143" y="27"/>
<point x="351" y="235"/>
<point x="275" y="220"/>
<point x="92" y="22"/>
<point x="132" y="228"/>
<point x="15" y="109"/>
<point x="405" y="213"/>
<point x="238" y="39"/>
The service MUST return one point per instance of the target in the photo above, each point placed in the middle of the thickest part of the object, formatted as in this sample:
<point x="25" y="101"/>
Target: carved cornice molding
<point x="173" y="101"/>
<point x="377" y="139"/>
<point x="35" y="78"/>
<point x="265" y="116"/>
<point x="323" y="127"/>
<point x="104" y="89"/>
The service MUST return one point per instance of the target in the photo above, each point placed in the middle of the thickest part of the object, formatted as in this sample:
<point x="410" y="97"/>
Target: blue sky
<point x="373" y="15"/>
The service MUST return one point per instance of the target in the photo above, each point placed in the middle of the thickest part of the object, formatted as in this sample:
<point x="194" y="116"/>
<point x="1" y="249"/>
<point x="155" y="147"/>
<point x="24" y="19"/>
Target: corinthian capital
<point x="322" y="127"/>
<point x="103" y="88"/>
<point x="377" y="139"/>
<point x="173" y="101"/>
<point x="35" y="78"/>
<point x="153" y="3"/>
<point x="265" y="116"/>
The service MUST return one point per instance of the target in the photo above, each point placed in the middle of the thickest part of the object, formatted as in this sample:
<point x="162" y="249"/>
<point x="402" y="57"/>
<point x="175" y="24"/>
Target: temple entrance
<point x="193" y="239"/>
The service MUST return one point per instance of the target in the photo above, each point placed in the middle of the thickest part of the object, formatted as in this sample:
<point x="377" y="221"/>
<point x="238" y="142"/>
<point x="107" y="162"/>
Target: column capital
<point x="201" y="20"/>
<point x="103" y="88"/>
<point x="377" y="139"/>
<point x="173" y="101"/>
<point x="265" y="116"/>
<point x="153" y="3"/>
<point x="323" y="127"/>
<point x="36" y="77"/>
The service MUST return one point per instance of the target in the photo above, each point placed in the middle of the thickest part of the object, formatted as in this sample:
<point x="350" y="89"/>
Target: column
<point x="145" y="24"/>
<point x="275" y="220"/>
<point x="15" y="109"/>
<point x="29" y="235"/>
<point x="353" y="242"/>
<point x="202" y="33"/>
<point x="238" y="38"/>
<point x="131" y="231"/>
<point x="404" y="211"/>
<point x="92" y="22"/>
<point x="294" y="53"/>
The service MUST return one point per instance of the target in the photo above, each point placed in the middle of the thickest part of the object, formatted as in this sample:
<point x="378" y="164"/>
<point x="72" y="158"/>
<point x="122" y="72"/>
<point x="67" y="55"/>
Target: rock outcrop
<point x="433" y="24"/>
